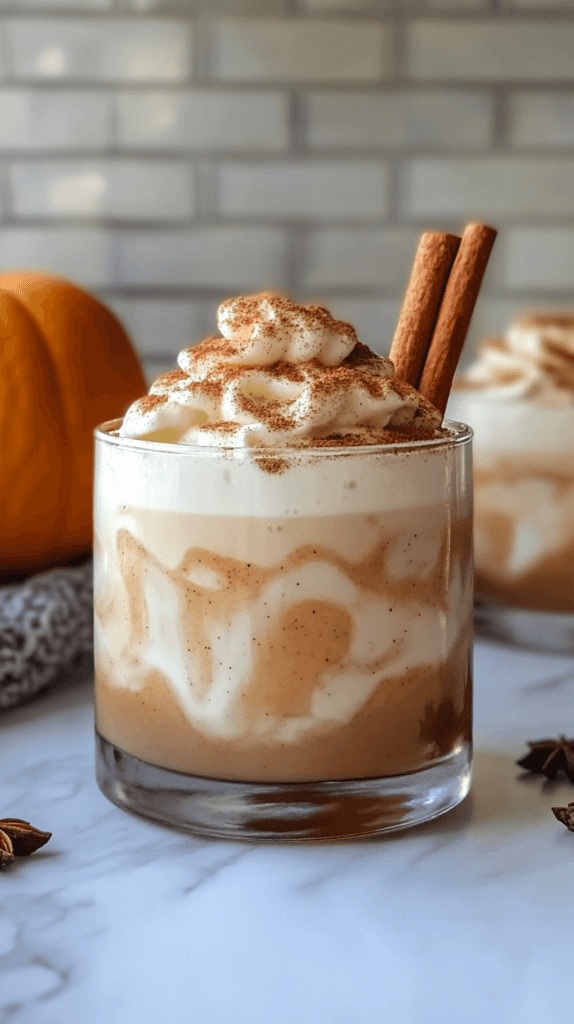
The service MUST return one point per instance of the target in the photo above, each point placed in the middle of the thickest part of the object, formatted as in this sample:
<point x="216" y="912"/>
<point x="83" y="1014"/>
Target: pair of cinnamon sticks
<point x="437" y="309"/>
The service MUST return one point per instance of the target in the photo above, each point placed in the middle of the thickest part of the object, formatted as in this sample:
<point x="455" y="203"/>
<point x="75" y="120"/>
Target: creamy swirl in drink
<point x="519" y="398"/>
<point x="283" y="578"/>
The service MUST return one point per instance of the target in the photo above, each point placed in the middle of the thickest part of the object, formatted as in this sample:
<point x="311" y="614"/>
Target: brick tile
<point x="162" y="328"/>
<point x="58" y="5"/>
<point x="542" y="119"/>
<point x="349" y="5"/>
<point x="137" y="50"/>
<point x="122" y="189"/>
<point x="214" y="257"/>
<point x="210" y="7"/>
<point x="301" y="50"/>
<point x="490" y="187"/>
<point x="83" y="254"/>
<point x="540" y="258"/>
<point x="312" y="189"/>
<point x="399" y="119"/>
<point x="529" y="4"/>
<point x="491" y="50"/>
<point x="203" y="119"/>
<point x="373" y="319"/>
<point x="339" y="258"/>
<point x="31" y="119"/>
<point x="459" y="5"/>
<point x="118" y="189"/>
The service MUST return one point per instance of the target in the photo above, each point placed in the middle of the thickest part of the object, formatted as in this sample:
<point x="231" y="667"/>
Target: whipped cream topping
<point x="533" y="361"/>
<point x="267" y="329"/>
<point x="280" y="374"/>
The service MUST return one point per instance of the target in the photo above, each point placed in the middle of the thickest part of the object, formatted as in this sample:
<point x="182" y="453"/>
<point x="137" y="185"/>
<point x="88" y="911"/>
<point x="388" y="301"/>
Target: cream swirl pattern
<point x="279" y="374"/>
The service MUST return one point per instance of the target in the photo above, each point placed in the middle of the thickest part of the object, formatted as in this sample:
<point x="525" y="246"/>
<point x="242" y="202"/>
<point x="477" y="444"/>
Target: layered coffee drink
<point x="283" y="562"/>
<point x="519" y="399"/>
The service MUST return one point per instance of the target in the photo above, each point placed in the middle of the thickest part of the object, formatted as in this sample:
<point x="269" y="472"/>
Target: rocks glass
<point x="523" y="520"/>
<point x="283" y="636"/>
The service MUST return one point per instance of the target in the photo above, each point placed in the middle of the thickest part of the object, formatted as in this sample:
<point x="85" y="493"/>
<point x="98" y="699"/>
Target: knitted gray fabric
<point x="45" y="622"/>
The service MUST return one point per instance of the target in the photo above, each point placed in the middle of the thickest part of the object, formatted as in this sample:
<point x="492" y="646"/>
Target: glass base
<point x="538" y="631"/>
<point x="286" y="811"/>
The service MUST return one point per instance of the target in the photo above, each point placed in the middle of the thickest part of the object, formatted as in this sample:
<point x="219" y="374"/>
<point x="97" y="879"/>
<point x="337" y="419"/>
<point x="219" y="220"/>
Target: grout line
<point x="501" y="118"/>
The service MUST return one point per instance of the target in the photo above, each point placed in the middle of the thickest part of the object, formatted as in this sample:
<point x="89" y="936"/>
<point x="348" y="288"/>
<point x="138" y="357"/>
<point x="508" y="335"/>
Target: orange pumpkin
<point x="66" y="364"/>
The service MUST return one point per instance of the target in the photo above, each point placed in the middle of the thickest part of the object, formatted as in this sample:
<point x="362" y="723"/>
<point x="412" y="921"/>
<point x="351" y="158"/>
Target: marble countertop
<point x="120" y="920"/>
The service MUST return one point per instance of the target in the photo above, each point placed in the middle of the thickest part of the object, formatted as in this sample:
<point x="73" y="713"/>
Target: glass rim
<point x="460" y="434"/>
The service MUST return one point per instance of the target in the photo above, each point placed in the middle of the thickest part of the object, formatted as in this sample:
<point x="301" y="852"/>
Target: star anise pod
<point x="6" y="850"/>
<point x="19" y="839"/>
<point x="565" y="815"/>
<point x="548" y="757"/>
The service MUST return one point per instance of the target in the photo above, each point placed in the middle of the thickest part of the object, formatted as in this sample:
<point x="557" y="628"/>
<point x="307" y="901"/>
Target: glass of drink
<point x="519" y="398"/>
<point x="283" y="634"/>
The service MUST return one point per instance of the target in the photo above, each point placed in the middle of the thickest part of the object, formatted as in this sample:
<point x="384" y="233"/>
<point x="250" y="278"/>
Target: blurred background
<point x="168" y="153"/>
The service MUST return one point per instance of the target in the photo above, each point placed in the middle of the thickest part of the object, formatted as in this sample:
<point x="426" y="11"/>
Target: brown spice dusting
<point x="246" y="313"/>
<point x="169" y="378"/>
<point x="273" y="465"/>
<point x="150" y="402"/>
<point x="370" y="435"/>
<point x="221" y="426"/>
<point x="268" y="393"/>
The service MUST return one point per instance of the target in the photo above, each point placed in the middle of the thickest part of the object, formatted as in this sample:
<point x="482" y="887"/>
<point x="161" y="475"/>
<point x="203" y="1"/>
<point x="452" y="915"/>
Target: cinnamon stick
<point x="433" y="261"/>
<point x="455" y="313"/>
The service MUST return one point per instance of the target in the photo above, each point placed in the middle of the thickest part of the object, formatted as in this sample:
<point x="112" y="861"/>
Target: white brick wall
<point x="374" y="319"/>
<point x="341" y="259"/>
<point x="459" y="5"/>
<point x="314" y="190"/>
<point x="399" y="119"/>
<point x="135" y="51"/>
<point x="302" y="51"/>
<point x="35" y="120"/>
<point x="345" y="5"/>
<point x="213" y="258"/>
<point x="168" y="153"/>
<point x="123" y="189"/>
<point x="542" y="120"/>
<point x="65" y="5"/>
<point x="204" y="119"/>
<point x="541" y="3"/>
<point x="491" y="50"/>
<point x="490" y="187"/>
<point x="83" y="254"/>
<point x="540" y="258"/>
<point x="161" y="327"/>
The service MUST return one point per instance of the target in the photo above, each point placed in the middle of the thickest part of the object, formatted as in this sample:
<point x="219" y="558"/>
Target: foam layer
<point x="206" y="482"/>
<point x="515" y="429"/>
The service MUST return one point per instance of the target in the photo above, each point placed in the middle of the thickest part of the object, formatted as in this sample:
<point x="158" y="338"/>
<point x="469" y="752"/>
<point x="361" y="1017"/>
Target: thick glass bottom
<point x="538" y="631"/>
<point x="286" y="811"/>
